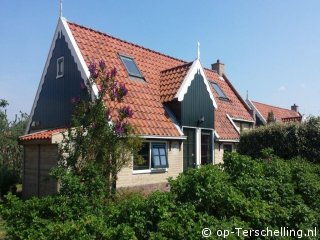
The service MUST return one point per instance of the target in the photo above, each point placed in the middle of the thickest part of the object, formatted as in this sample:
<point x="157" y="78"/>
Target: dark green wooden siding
<point x="54" y="107"/>
<point x="197" y="103"/>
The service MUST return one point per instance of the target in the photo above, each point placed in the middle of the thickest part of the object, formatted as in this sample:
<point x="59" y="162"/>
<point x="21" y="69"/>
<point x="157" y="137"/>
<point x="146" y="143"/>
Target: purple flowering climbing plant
<point x="100" y="133"/>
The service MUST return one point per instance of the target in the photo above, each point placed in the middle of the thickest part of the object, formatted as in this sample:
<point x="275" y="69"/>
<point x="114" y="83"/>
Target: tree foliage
<point x="11" y="153"/>
<point x="100" y="140"/>
<point x="286" y="140"/>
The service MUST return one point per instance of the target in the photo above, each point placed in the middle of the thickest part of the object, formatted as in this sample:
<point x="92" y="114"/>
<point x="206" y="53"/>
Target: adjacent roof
<point x="235" y="107"/>
<point x="42" y="135"/>
<point x="280" y="114"/>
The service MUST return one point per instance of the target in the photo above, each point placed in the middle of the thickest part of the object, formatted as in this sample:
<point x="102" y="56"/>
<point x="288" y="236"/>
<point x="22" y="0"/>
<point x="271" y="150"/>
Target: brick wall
<point x="127" y="178"/>
<point x="218" y="151"/>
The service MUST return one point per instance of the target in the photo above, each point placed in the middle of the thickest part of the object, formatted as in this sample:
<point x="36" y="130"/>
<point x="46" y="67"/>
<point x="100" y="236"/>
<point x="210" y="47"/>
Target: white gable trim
<point x="232" y="122"/>
<point x="75" y="51"/>
<point x="253" y="107"/>
<point x="62" y="27"/>
<point x="174" y="120"/>
<point x="195" y="67"/>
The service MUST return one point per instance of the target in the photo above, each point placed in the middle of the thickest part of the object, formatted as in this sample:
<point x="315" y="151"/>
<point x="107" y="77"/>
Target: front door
<point x="189" y="148"/>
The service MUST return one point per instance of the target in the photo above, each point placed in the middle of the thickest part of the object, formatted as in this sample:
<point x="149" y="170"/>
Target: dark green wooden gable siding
<point x="197" y="103"/>
<point x="54" y="107"/>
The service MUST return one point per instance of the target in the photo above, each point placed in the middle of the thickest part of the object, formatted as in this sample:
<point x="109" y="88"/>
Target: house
<point x="189" y="115"/>
<point x="263" y="112"/>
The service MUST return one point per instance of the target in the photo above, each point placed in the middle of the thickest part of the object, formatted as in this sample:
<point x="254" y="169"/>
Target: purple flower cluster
<point x="82" y="86"/>
<point x="113" y="72"/>
<point x="93" y="70"/>
<point x="74" y="100"/>
<point x="122" y="90"/>
<point x="119" y="128"/>
<point x="118" y="91"/>
<point x="102" y="65"/>
<point x="125" y="112"/>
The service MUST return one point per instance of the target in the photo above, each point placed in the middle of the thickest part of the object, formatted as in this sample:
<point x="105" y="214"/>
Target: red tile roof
<point x="234" y="107"/>
<point x="42" y="135"/>
<point x="280" y="114"/>
<point x="171" y="80"/>
<point x="163" y="76"/>
<point x="144" y="97"/>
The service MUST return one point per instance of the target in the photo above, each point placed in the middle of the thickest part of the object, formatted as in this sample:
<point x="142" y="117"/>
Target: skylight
<point x="131" y="67"/>
<point x="219" y="91"/>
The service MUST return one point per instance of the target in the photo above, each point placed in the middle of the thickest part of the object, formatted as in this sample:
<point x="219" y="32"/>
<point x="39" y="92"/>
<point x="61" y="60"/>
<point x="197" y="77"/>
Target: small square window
<point x="131" y="66"/>
<point x="60" y="67"/>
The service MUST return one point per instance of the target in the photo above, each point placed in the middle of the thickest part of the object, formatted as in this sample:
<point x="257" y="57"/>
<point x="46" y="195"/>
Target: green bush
<point x="243" y="193"/>
<point x="287" y="140"/>
<point x="8" y="180"/>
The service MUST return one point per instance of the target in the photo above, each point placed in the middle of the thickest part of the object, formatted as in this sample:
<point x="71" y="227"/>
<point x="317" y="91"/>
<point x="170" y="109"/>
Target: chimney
<point x="218" y="67"/>
<point x="295" y="108"/>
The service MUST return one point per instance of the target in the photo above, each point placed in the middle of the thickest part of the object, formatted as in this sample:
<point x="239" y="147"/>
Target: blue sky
<point x="270" y="48"/>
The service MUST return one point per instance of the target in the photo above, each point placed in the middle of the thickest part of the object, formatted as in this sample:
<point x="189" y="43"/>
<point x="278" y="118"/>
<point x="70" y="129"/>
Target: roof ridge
<point x="179" y="66"/>
<point x="131" y="43"/>
<point x="273" y="106"/>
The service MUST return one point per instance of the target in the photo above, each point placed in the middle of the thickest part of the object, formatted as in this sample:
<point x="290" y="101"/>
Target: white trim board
<point x="242" y="120"/>
<point x="62" y="28"/>
<point x="173" y="119"/>
<point x="195" y="67"/>
<point x="162" y="137"/>
<point x="228" y="140"/>
<point x="232" y="122"/>
<point x="253" y="107"/>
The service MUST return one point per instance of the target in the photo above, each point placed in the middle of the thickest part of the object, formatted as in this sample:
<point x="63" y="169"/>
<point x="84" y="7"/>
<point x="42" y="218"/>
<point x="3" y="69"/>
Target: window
<point x="243" y="126"/>
<point x="60" y="67"/>
<point x="219" y="91"/>
<point x="227" y="147"/>
<point x="152" y="156"/>
<point x="206" y="147"/>
<point x="131" y="67"/>
<point x="159" y="156"/>
<point x="142" y="162"/>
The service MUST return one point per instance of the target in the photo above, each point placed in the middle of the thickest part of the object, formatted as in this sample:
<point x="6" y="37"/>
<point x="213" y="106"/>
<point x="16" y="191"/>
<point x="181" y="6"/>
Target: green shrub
<point x="287" y="140"/>
<point x="8" y="180"/>
<point x="243" y="193"/>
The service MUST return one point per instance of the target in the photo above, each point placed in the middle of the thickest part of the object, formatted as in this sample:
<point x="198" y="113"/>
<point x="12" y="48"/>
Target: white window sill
<point x="148" y="171"/>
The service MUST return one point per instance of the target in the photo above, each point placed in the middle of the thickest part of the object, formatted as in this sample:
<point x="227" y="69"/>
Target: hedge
<point x="243" y="193"/>
<point x="286" y="140"/>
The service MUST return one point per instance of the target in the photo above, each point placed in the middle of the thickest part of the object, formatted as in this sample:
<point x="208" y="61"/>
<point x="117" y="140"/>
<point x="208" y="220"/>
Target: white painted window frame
<point x="198" y="143"/>
<point x="62" y="67"/>
<point x="153" y="170"/>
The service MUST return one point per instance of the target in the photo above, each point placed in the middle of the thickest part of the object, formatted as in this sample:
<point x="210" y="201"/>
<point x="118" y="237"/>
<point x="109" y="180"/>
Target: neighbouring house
<point x="263" y="112"/>
<point x="186" y="114"/>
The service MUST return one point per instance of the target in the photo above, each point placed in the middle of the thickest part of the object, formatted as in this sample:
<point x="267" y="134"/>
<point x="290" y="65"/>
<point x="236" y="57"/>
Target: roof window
<point x="219" y="91"/>
<point x="131" y="66"/>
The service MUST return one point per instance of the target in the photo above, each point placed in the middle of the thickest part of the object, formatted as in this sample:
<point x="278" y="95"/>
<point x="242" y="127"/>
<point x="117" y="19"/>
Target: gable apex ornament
<point x="198" y="55"/>
<point x="60" y="8"/>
